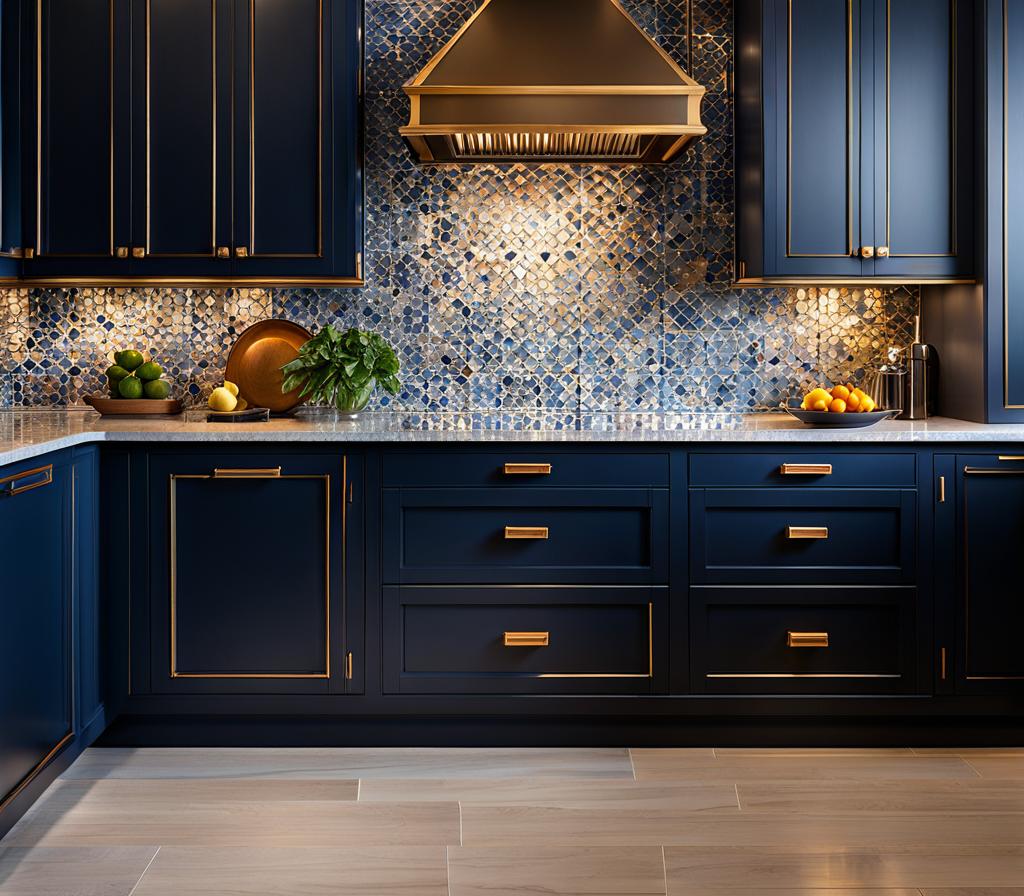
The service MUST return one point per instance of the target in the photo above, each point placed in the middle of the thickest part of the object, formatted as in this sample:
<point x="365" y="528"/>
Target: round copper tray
<point x="255" y="361"/>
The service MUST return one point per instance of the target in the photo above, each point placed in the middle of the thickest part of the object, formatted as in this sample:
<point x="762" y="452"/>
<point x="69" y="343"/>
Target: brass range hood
<point x="552" y="81"/>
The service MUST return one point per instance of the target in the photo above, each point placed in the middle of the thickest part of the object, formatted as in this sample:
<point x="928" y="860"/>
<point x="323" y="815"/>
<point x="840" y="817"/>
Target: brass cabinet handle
<point x="525" y="533"/>
<point x="254" y="473"/>
<point x="29" y="253"/>
<point x="242" y="252"/>
<point x="527" y="469"/>
<point x="139" y="252"/>
<point x="883" y="252"/>
<point x="25" y="482"/>
<point x="807" y="532"/>
<point x="1010" y="458"/>
<point x="806" y="470"/>
<point x="223" y="252"/>
<point x="807" y="639"/>
<point x="867" y="252"/>
<point x="527" y="639"/>
<point x="121" y="252"/>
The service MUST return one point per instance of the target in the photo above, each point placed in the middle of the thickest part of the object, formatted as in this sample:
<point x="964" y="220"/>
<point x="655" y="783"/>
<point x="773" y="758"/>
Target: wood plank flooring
<point x="490" y="822"/>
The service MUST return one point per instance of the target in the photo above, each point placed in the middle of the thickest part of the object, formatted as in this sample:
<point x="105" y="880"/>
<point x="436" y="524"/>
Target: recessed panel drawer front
<point x="802" y="640"/>
<point x="550" y="536"/>
<point x="804" y="469"/>
<point x="526" y="469"/>
<point x="802" y="536"/>
<point x="521" y="640"/>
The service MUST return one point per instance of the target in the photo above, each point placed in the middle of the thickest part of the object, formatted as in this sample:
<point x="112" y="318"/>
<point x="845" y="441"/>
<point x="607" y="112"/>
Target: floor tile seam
<point x="144" y="870"/>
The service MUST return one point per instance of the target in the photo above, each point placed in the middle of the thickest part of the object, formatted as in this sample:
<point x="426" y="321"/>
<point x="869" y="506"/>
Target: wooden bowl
<point x="256" y="359"/>
<point x="133" y="407"/>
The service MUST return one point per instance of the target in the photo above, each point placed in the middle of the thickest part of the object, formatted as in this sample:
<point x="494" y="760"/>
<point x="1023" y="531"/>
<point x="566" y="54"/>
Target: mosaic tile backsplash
<point x="564" y="289"/>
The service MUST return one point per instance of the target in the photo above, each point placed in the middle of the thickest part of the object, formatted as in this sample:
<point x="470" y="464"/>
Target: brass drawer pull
<point x="807" y="532"/>
<point x="1010" y="458"/>
<point x="806" y="469"/>
<point x="527" y="469"/>
<point x="25" y="482"/>
<point x="255" y="473"/>
<point x="807" y="639"/>
<point x="527" y="639"/>
<point x="526" y="533"/>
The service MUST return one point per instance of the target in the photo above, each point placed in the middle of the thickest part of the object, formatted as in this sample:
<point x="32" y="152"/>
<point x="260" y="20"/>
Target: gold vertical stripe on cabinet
<point x="849" y="139"/>
<point x="174" y="673"/>
<point x="253" y="252"/>
<point x="39" y="140"/>
<point x="952" y="253"/>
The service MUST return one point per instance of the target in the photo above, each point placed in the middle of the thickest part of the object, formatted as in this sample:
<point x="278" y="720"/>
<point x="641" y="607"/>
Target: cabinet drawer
<point x="815" y="536"/>
<point x="521" y="641"/>
<point x="803" y="469"/>
<point x="526" y="469"/>
<point x="772" y="640"/>
<point x="544" y="536"/>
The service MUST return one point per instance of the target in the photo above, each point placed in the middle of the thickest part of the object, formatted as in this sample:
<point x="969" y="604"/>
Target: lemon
<point x="130" y="387"/>
<point x="242" y="404"/>
<point x="221" y="399"/>
<point x="231" y="387"/>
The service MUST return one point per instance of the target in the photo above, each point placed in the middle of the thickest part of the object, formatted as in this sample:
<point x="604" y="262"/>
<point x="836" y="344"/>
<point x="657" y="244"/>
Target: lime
<point x="158" y="389"/>
<point x="130" y="359"/>
<point x="115" y="374"/>
<point x="149" y="371"/>
<point x="130" y="387"/>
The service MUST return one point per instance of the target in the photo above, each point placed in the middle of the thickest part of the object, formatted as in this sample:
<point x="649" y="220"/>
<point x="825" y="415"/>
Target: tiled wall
<point x="568" y="288"/>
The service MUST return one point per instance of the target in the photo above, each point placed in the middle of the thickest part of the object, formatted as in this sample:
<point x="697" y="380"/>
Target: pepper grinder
<point x="921" y="379"/>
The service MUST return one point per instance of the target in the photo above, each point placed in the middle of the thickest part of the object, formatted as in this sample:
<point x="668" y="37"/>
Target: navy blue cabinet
<point x="36" y="715"/>
<point x="854" y="140"/>
<point x="249" y="579"/>
<point x="158" y="156"/>
<point x="11" y="233"/>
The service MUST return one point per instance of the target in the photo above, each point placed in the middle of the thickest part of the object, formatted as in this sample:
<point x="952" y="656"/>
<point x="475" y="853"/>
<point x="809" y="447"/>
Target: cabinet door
<point x="11" y="241"/>
<point x="247" y="576"/>
<point x="924" y="133"/>
<point x="80" y="167"/>
<point x="35" y="697"/>
<point x="813" y="124"/>
<point x="990" y="612"/>
<point x="1006" y="244"/>
<point x="181" y="73"/>
<point x="296" y="123"/>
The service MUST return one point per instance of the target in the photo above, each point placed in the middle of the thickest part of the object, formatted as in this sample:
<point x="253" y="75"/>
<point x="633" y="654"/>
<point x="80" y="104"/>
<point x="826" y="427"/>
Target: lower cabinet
<point x="979" y="582"/>
<point x="36" y="566"/>
<point x="249" y="579"/>
<point x="524" y="640"/>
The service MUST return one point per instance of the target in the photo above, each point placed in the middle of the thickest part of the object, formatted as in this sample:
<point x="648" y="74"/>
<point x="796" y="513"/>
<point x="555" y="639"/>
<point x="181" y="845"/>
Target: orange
<point x="840" y="392"/>
<point x="867" y="405"/>
<point x="819" y="405"/>
<point x="838" y="406"/>
<point x="853" y="402"/>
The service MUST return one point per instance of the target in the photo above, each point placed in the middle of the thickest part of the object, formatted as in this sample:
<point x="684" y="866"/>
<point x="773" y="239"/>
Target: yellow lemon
<point x="819" y="405"/>
<point x="231" y="387"/>
<point x="222" y="400"/>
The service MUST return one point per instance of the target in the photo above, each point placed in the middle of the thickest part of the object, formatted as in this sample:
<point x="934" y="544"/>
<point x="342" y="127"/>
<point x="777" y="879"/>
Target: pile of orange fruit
<point x="840" y="400"/>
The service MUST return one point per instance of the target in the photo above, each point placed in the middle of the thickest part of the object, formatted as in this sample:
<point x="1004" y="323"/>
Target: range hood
<point x="552" y="81"/>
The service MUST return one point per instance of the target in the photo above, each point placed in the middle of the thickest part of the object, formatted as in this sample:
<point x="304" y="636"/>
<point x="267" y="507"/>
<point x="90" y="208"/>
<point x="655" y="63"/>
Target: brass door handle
<point x="527" y="639"/>
<point x="526" y="533"/>
<point x="1010" y="458"/>
<point x="806" y="532"/>
<point x="527" y="469"/>
<point x="242" y="252"/>
<point x="121" y="252"/>
<point x="25" y="482"/>
<point x="806" y="470"/>
<point x="883" y="252"/>
<point x="139" y="252"/>
<point x="807" y="639"/>
<point x="28" y="252"/>
<point x="254" y="473"/>
<point x="223" y="252"/>
<point x="867" y="252"/>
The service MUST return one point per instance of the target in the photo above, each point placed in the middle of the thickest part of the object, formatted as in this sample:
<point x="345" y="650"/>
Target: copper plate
<point x="256" y="359"/>
<point x="134" y="407"/>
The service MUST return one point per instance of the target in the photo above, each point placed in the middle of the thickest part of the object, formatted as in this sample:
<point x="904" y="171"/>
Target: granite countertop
<point x="27" y="433"/>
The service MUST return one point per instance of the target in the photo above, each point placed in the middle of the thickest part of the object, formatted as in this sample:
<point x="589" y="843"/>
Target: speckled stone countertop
<point x="27" y="433"/>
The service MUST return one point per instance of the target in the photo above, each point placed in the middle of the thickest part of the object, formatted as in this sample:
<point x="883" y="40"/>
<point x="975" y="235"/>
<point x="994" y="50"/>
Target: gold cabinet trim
<point x="850" y="148"/>
<point x="326" y="674"/>
<point x="802" y="675"/>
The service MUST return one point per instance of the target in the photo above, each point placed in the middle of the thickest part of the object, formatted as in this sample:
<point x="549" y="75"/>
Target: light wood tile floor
<point x="573" y="822"/>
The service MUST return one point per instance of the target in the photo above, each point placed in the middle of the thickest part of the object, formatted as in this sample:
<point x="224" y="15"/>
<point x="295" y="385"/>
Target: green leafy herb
<point x="341" y="369"/>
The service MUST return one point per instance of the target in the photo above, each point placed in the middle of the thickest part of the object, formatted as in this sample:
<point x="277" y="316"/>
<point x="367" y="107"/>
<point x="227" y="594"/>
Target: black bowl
<point x="849" y="420"/>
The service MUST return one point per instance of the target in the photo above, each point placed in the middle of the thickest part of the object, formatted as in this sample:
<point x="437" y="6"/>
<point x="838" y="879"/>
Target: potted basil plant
<point x="341" y="369"/>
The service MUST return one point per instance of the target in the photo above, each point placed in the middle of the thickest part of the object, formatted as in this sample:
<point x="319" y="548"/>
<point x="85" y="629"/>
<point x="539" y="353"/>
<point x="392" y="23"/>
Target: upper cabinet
<point x="194" y="140"/>
<point x="854" y="140"/>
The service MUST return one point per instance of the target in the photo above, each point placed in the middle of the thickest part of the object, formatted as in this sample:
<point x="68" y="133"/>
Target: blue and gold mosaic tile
<point x="507" y="289"/>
